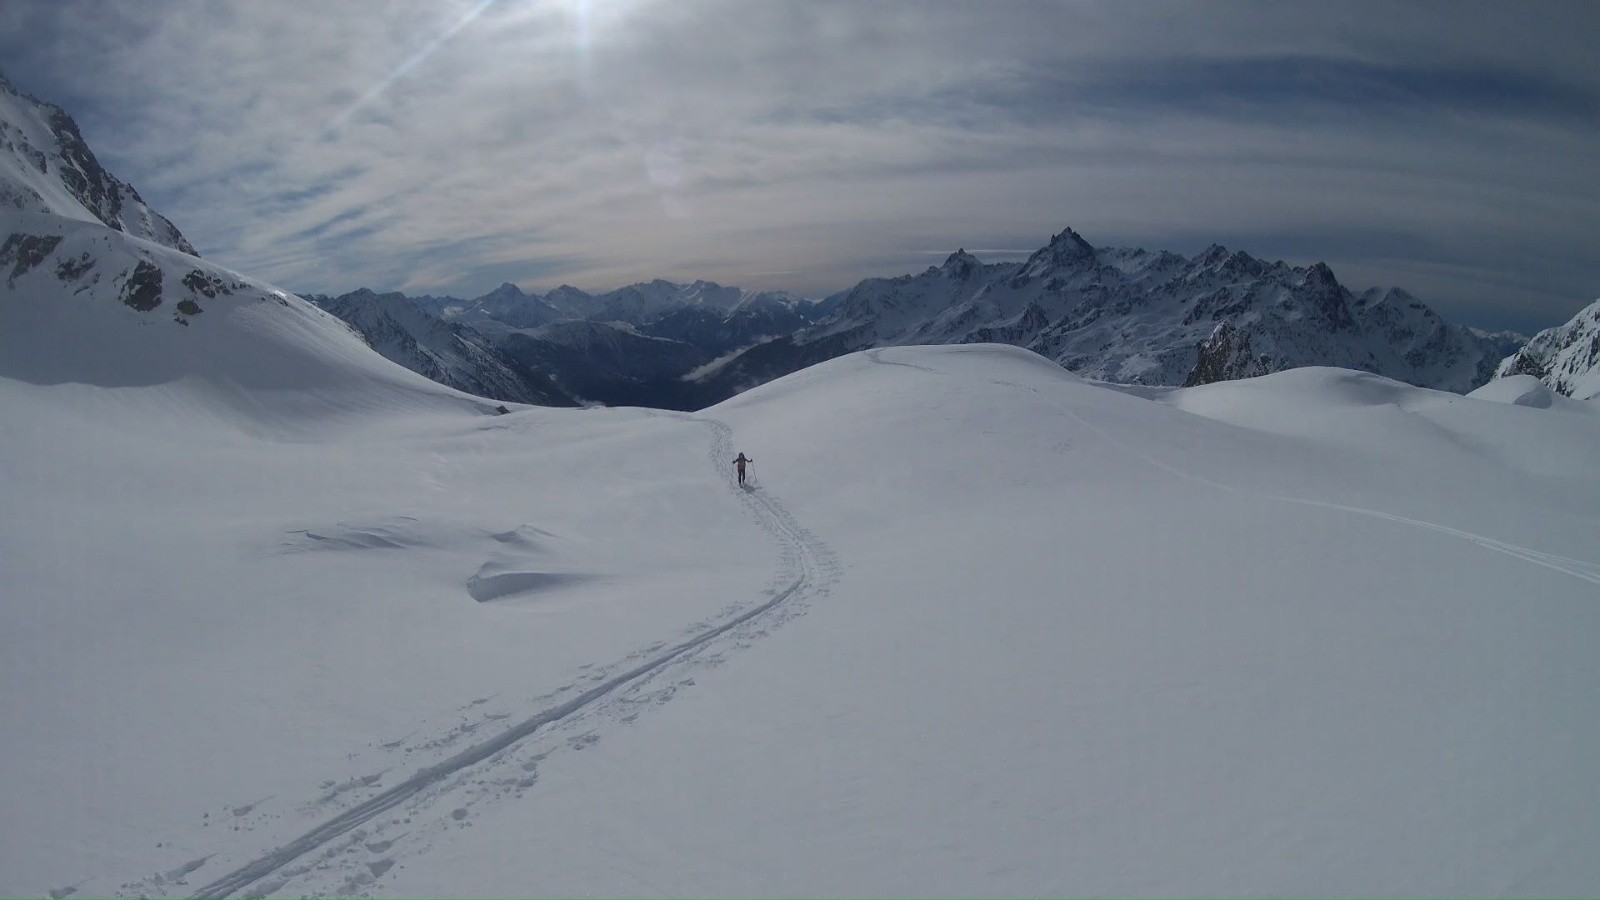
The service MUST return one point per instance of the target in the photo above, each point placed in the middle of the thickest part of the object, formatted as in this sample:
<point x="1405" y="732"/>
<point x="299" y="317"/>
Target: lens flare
<point x="416" y="59"/>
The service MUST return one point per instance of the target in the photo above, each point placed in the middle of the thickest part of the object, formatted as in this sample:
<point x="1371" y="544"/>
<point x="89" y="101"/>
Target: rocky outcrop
<point x="1226" y="356"/>
<point x="1566" y="358"/>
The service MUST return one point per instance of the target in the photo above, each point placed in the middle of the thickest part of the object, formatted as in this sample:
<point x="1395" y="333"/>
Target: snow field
<point x="1315" y="633"/>
<point x="1059" y="662"/>
<point x="197" y="618"/>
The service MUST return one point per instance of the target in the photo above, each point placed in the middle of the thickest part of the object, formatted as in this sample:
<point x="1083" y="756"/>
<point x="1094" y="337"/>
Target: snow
<point x="279" y="617"/>
<point x="1566" y="358"/>
<point x="35" y="166"/>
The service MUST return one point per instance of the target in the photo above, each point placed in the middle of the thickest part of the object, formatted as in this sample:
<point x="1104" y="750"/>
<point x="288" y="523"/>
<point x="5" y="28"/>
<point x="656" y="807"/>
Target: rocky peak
<point x="506" y="291"/>
<point x="1227" y="355"/>
<point x="56" y="162"/>
<point x="1211" y="256"/>
<point x="1319" y="275"/>
<point x="960" y="265"/>
<point x="1069" y="247"/>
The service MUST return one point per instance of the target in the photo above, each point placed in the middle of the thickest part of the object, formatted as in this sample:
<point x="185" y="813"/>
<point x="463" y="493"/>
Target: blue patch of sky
<point x="326" y="227"/>
<point x="1284" y="88"/>
<point x="315" y="190"/>
<point x="1273" y="84"/>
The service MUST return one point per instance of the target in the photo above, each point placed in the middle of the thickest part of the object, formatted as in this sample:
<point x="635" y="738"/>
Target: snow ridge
<point x="46" y="167"/>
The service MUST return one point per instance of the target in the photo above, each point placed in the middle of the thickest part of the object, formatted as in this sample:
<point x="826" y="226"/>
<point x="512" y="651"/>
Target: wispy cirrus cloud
<point x="448" y="146"/>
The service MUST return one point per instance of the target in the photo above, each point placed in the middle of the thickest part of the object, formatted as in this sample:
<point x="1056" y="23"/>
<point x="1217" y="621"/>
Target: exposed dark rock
<point x="74" y="268"/>
<point x="189" y="307"/>
<point x="209" y="285"/>
<point x="1226" y="356"/>
<point x="142" y="290"/>
<point x="24" y="251"/>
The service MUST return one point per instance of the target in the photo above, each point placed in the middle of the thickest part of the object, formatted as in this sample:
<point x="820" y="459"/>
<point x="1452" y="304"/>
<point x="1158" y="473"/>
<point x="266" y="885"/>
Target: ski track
<point x="808" y="569"/>
<point x="1576" y="568"/>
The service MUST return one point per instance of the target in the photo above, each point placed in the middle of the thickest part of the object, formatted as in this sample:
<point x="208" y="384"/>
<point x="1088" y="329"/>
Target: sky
<point x="446" y="147"/>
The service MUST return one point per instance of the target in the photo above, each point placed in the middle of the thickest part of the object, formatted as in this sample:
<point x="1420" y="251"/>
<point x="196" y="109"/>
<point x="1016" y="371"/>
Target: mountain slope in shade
<point x="638" y="345"/>
<point x="1567" y="357"/>
<point x="46" y="167"/>
<point x="608" y="363"/>
<point x="447" y="352"/>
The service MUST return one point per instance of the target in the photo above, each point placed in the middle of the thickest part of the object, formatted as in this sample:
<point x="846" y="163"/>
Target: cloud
<point x="449" y="146"/>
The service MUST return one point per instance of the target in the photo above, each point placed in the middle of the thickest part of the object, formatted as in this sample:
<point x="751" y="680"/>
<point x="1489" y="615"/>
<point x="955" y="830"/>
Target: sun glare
<point x="416" y="59"/>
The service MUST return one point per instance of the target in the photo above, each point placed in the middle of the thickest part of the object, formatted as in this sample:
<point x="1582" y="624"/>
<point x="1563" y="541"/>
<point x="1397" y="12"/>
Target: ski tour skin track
<point x="808" y="569"/>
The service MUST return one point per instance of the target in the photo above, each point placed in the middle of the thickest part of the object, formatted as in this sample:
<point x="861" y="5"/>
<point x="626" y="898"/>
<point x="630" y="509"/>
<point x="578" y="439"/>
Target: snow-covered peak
<point x="570" y="301"/>
<point x="1567" y="357"/>
<point x="1066" y="250"/>
<point x="710" y="294"/>
<point x="960" y="265"/>
<point x="1211" y="256"/>
<point x="1320" y="275"/>
<point x="1231" y="267"/>
<point x="46" y="167"/>
<point x="506" y="291"/>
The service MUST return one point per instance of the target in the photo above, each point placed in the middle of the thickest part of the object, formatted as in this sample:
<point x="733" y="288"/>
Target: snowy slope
<point x="46" y="167"/>
<point x="86" y="305"/>
<point x="1567" y="358"/>
<point x="981" y="628"/>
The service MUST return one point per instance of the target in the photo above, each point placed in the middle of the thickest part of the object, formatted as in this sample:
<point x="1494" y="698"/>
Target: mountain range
<point x="1111" y="314"/>
<point x="1123" y="315"/>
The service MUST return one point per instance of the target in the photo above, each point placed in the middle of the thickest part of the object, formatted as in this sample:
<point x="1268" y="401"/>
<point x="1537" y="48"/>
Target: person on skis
<point x="740" y="464"/>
